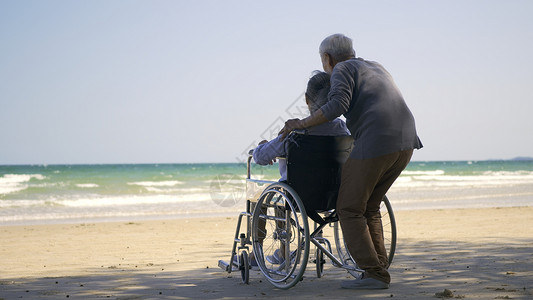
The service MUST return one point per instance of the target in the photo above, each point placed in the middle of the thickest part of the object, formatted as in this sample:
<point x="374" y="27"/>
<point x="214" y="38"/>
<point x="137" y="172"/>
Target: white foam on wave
<point x="156" y="183"/>
<point x="87" y="185"/>
<point x="132" y="200"/>
<point x="509" y="173"/>
<point x="21" y="203"/>
<point x="196" y="190"/>
<point x="114" y="215"/>
<point x="433" y="172"/>
<point x="490" y="178"/>
<point x="108" y="201"/>
<point x="11" y="183"/>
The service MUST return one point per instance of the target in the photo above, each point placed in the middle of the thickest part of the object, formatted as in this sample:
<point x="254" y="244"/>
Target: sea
<point x="48" y="194"/>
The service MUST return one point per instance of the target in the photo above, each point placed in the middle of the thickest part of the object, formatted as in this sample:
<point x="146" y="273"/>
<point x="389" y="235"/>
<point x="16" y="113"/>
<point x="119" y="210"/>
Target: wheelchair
<point x="277" y="215"/>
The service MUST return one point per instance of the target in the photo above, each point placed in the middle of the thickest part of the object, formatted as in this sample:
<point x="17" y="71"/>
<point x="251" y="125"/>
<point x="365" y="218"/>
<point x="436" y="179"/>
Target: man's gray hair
<point x="338" y="45"/>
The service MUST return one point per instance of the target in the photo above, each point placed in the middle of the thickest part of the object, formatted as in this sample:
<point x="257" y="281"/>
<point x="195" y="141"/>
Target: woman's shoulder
<point x="334" y="127"/>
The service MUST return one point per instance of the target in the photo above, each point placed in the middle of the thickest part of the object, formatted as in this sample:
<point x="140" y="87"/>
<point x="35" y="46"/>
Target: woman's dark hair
<point x="317" y="90"/>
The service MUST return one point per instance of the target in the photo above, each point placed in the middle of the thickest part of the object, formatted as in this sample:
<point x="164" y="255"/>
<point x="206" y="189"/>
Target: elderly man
<point x="384" y="138"/>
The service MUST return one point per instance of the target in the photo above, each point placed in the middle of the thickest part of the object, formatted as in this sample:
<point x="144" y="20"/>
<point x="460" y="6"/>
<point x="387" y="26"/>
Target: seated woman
<point x="316" y="95"/>
<point x="266" y="152"/>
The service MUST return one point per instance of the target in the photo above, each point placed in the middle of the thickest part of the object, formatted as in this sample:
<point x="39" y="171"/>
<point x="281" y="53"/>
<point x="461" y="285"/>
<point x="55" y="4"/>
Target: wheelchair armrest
<point x="249" y="164"/>
<point x="300" y="131"/>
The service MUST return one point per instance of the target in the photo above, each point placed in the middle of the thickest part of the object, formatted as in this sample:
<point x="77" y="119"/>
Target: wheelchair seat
<point x="314" y="165"/>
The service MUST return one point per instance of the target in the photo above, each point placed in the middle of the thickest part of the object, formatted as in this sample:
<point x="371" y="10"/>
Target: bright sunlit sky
<point x="204" y="81"/>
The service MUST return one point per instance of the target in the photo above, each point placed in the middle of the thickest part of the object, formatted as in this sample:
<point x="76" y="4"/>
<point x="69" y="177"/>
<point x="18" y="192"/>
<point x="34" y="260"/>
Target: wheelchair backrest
<point x="314" y="166"/>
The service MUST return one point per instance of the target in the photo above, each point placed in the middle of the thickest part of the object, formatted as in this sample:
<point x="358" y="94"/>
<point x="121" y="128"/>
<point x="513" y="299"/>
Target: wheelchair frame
<point x="289" y="228"/>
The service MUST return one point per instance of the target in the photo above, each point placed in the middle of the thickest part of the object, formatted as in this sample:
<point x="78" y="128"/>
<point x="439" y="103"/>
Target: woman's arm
<point x="266" y="152"/>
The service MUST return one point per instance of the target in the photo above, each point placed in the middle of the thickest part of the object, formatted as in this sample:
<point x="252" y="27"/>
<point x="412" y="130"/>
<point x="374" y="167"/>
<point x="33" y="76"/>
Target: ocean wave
<point x="11" y="183"/>
<point x="433" y="172"/>
<point x="83" y="216"/>
<point x="109" y="201"/>
<point x="87" y="185"/>
<point x="491" y="178"/>
<point x="19" y="178"/>
<point x="509" y="173"/>
<point x="156" y="183"/>
<point x="22" y="203"/>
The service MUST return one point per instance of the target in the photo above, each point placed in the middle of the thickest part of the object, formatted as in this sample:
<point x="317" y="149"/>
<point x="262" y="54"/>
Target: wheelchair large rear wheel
<point x="280" y="235"/>
<point x="389" y="234"/>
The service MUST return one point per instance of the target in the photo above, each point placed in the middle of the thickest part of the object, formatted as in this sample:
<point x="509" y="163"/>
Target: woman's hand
<point x="264" y="142"/>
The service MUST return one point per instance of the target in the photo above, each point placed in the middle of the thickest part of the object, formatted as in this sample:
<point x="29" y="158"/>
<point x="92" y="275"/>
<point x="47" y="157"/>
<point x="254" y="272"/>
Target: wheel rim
<point x="287" y="232"/>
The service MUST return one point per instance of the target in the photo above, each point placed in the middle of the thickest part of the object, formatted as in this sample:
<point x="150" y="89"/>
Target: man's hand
<point x="290" y="125"/>
<point x="314" y="119"/>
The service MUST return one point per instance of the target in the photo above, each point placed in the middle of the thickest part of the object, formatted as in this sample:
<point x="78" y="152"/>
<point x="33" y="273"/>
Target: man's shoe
<point x="364" y="283"/>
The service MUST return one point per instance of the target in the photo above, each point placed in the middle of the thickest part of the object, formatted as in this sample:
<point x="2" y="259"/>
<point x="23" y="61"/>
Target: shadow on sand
<point x="493" y="270"/>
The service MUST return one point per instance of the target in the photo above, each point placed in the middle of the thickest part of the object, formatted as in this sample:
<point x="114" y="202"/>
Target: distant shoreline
<point x="520" y="158"/>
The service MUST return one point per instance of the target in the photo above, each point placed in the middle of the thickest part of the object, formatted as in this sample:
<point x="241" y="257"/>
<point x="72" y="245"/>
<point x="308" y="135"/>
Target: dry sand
<point x="474" y="253"/>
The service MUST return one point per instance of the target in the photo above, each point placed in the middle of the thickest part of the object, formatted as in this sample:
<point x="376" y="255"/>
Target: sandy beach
<point x="484" y="253"/>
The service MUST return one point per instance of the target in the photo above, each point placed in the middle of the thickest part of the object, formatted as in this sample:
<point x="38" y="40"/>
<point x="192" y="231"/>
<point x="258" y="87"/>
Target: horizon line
<point x="518" y="158"/>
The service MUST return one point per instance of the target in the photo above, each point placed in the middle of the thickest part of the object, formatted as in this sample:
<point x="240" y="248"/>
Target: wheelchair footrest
<point x="224" y="265"/>
<point x="227" y="267"/>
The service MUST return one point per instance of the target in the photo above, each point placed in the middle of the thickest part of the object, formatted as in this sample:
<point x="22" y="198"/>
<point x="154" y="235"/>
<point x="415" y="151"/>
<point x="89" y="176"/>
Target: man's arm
<point x="314" y="119"/>
<point x="342" y="86"/>
<point x="343" y="81"/>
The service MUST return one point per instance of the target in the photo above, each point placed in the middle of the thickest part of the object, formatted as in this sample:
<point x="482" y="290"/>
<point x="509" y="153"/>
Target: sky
<point x="98" y="82"/>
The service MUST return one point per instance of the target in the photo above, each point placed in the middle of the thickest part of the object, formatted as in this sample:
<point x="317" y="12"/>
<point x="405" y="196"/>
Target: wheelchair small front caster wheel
<point x="244" y="266"/>
<point x="320" y="262"/>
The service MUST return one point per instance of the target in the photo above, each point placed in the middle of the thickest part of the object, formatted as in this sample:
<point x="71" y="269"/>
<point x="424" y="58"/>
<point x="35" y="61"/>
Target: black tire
<point x="244" y="266"/>
<point x="319" y="262"/>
